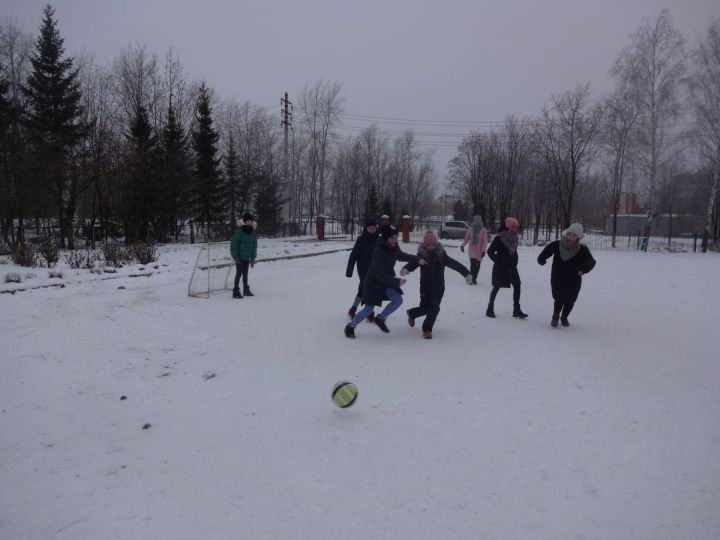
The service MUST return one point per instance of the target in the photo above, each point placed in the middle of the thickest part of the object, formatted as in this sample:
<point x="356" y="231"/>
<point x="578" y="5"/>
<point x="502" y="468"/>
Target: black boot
<point x="490" y="311"/>
<point x="517" y="312"/>
<point x="236" y="294"/>
<point x="349" y="331"/>
<point x="248" y="292"/>
<point x="380" y="322"/>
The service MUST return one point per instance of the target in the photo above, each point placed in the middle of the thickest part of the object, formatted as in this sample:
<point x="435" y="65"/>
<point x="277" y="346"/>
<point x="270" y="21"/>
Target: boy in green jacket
<point x="243" y="248"/>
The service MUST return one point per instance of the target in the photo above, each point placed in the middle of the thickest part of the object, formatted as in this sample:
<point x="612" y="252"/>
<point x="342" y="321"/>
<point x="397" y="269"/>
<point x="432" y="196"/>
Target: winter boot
<point x="248" y="292"/>
<point x="371" y="318"/>
<point x="564" y="321"/>
<point x="380" y="323"/>
<point x="517" y="312"/>
<point x="351" y="312"/>
<point x="411" y="321"/>
<point x="236" y="294"/>
<point x="427" y="334"/>
<point x="349" y="331"/>
<point x="490" y="311"/>
<point x="554" y="320"/>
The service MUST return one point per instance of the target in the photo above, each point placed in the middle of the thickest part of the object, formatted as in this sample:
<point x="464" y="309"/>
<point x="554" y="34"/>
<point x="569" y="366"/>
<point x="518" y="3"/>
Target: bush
<point x="13" y="277"/>
<point x="81" y="258"/>
<point x="116" y="254"/>
<point x="55" y="274"/>
<point x="25" y="255"/>
<point x="49" y="251"/>
<point x="145" y="254"/>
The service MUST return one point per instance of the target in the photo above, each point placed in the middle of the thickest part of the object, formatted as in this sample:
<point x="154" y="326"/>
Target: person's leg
<point x="429" y="321"/>
<point x="396" y="301"/>
<point x="236" y="285"/>
<point x="517" y="312"/>
<point x="474" y="269"/>
<point x="557" y="308"/>
<point x="567" y="308"/>
<point x="246" y="270"/>
<point x="364" y="312"/>
<point x="491" y="303"/>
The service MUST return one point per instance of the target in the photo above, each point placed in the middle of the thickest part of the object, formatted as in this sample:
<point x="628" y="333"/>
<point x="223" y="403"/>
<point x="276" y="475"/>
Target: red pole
<point x="320" y="227"/>
<point x="406" y="229"/>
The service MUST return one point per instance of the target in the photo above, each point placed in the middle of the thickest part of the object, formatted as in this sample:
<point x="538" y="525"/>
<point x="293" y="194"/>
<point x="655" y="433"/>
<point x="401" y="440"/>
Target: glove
<point x="404" y="271"/>
<point x="468" y="279"/>
<point x="541" y="262"/>
<point x="462" y="248"/>
<point x="252" y="263"/>
<point x="348" y="275"/>
<point x="422" y="262"/>
<point x="403" y="281"/>
<point x="482" y="254"/>
<point x="237" y="261"/>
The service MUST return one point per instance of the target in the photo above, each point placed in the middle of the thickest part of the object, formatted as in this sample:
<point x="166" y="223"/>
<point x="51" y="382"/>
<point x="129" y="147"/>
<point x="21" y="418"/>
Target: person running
<point x="432" y="281"/>
<point x="360" y="256"/>
<point x="503" y="253"/>
<point x="380" y="281"/>
<point x="243" y="248"/>
<point x="476" y="236"/>
<point x="571" y="260"/>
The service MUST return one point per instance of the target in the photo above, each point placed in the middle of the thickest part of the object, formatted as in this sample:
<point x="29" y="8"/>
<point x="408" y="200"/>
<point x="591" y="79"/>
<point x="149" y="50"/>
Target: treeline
<point x="660" y="126"/>
<point x="134" y="149"/>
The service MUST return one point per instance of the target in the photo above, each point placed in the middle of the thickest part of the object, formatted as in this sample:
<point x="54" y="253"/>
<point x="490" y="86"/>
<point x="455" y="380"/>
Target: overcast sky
<point x="451" y="60"/>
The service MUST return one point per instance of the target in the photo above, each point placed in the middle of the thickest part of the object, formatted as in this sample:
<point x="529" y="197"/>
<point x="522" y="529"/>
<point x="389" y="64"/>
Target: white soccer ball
<point x="344" y="394"/>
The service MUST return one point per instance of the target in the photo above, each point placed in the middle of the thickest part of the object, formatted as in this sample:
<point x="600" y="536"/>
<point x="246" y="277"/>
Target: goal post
<point x="212" y="272"/>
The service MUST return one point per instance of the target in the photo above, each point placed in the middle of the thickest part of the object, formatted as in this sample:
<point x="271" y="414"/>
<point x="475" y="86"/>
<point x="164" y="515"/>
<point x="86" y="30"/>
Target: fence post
<point x="406" y="228"/>
<point x="320" y="227"/>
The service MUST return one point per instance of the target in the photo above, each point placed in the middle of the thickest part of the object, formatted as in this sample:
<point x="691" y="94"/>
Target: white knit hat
<point x="576" y="229"/>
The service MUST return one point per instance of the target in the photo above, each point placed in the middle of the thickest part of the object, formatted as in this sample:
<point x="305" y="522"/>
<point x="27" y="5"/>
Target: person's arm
<point x="468" y="234"/>
<point x="456" y="265"/>
<point x="377" y="266"/>
<point x="588" y="261"/>
<point x="493" y="249"/>
<point x="234" y="247"/>
<point x="483" y="241"/>
<point x="254" y="247"/>
<point x="546" y="253"/>
<point x="352" y="259"/>
<point x="406" y="257"/>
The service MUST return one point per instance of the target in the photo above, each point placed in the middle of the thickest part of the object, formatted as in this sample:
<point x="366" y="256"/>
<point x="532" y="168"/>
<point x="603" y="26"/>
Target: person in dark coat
<point x="380" y="281"/>
<point x="503" y="254"/>
<point x="432" y="281"/>
<point x="243" y="249"/>
<point x="571" y="260"/>
<point x="360" y="256"/>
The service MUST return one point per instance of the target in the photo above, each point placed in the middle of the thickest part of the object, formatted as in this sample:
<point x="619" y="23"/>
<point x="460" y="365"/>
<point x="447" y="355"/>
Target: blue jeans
<point x="395" y="302"/>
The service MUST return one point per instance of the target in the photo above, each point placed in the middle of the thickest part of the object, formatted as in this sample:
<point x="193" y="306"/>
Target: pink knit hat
<point x="511" y="222"/>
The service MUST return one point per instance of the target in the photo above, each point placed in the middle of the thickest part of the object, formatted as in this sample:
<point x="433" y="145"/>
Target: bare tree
<point x="651" y="68"/>
<point x="567" y="134"/>
<point x="705" y="94"/>
<point x="621" y="114"/>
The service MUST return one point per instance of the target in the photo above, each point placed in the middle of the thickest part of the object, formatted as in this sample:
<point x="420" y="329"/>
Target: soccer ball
<point x="344" y="394"/>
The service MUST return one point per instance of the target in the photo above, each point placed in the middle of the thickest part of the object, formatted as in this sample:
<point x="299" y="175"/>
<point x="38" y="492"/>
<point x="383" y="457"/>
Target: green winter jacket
<point x="243" y="245"/>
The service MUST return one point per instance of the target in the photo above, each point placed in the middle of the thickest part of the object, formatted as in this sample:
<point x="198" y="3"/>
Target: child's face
<point x="393" y="240"/>
<point x="431" y="243"/>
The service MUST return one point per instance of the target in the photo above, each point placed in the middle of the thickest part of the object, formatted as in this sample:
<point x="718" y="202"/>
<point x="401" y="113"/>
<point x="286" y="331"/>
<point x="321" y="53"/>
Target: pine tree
<point x="371" y="202"/>
<point x="268" y="205"/>
<point x="387" y="208"/>
<point x="173" y="199"/>
<point x="142" y="188"/>
<point x="207" y="192"/>
<point x="53" y="91"/>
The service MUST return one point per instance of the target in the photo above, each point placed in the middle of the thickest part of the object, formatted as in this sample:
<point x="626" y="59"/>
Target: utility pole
<point x="286" y="122"/>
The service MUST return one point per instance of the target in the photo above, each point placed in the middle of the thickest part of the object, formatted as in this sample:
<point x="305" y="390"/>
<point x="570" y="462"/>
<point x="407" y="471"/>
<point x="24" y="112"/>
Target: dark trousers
<point x="241" y="269"/>
<point x="562" y="308"/>
<point x="474" y="269"/>
<point x="515" y="282"/>
<point x="428" y="309"/>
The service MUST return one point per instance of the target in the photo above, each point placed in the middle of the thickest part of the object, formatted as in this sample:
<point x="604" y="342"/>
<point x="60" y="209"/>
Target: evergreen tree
<point x="387" y="208"/>
<point x="268" y="205"/>
<point x="53" y="91"/>
<point x="142" y="187"/>
<point x="207" y="196"/>
<point x="232" y="179"/>
<point x="371" y="202"/>
<point x="173" y="198"/>
<point x="460" y="210"/>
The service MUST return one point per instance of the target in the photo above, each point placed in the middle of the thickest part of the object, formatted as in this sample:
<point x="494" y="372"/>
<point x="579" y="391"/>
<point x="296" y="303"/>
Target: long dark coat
<point x="564" y="279"/>
<point x="432" y="275"/>
<point x="381" y="273"/>
<point x="504" y="264"/>
<point x="361" y="254"/>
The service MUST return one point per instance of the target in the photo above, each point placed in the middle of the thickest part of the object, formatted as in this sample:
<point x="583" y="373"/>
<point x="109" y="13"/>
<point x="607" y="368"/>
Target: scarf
<point x="430" y="255"/>
<point x="476" y="228"/>
<point x="510" y="239"/>
<point x="568" y="250"/>
<point x="247" y="229"/>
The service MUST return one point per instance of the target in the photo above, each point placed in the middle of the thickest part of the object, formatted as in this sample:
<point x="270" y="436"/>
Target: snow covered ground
<point x="494" y="429"/>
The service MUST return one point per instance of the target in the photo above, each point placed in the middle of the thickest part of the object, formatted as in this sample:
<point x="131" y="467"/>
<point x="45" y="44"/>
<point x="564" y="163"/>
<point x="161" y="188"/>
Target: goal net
<point x="213" y="270"/>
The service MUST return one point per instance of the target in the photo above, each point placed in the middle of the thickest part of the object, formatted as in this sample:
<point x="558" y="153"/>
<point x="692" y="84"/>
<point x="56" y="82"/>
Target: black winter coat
<point x="504" y="264"/>
<point x="432" y="275"/>
<point x="564" y="279"/>
<point x="361" y="253"/>
<point x="381" y="273"/>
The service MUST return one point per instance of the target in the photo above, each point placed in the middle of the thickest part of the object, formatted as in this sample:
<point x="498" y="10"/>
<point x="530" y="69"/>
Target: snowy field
<point x="494" y="429"/>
